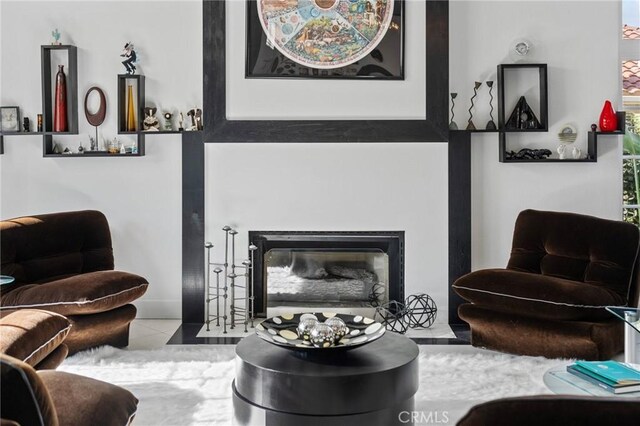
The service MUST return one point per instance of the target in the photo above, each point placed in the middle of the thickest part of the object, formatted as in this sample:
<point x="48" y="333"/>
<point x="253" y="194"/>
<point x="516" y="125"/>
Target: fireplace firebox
<point x="322" y="270"/>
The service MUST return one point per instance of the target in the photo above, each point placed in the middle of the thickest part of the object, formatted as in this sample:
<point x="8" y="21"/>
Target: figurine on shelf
<point x="167" y="123"/>
<point x="181" y="128"/>
<point x="594" y="127"/>
<point x="150" y="122"/>
<point x="67" y="151"/>
<point x="39" y="122"/>
<point x="576" y="153"/>
<point x="470" y="125"/>
<point x="198" y="119"/>
<point x="491" y="125"/>
<point x="55" y="149"/>
<point x="81" y="149"/>
<point x="452" y="123"/>
<point x="529" y="154"/>
<point x="56" y="38"/>
<point x="25" y="125"/>
<point x="92" y="143"/>
<point x="192" y="114"/>
<point x="131" y="57"/>
<point x="562" y="151"/>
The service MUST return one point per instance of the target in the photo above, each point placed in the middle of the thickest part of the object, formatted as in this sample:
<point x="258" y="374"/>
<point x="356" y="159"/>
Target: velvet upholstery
<point x="54" y="398"/>
<point x="33" y="335"/>
<point x="563" y="271"/>
<point x="23" y="397"/>
<point x="63" y="262"/>
<point x="550" y="410"/>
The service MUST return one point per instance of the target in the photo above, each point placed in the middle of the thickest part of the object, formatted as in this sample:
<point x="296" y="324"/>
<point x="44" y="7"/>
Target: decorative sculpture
<point x="452" y="124"/>
<point x="131" y="57"/>
<point x="98" y="117"/>
<point x="26" y="127"/>
<point x="131" y="111"/>
<point x="529" y="154"/>
<point x="491" y="125"/>
<point x="393" y="315"/>
<point x="180" y="121"/>
<point x="39" y="123"/>
<point x="234" y="315"/>
<point x="421" y="310"/>
<point x="56" y="37"/>
<point x="470" y="125"/>
<point x="522" y="117"/>
<point x="167" y="123"/>
<point x="608" y="118"/>
<point x="150" y="123"/>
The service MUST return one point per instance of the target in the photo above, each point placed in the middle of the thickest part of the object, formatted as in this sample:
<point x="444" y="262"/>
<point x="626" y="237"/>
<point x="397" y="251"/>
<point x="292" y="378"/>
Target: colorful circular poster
<point x="325" y="33"/>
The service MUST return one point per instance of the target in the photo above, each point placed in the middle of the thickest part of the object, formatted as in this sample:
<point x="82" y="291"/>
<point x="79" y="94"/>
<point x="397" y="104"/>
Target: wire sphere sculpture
<point x="376" y="295"/>
<point x="393" y="315"/>
<point x="421" y="310"/>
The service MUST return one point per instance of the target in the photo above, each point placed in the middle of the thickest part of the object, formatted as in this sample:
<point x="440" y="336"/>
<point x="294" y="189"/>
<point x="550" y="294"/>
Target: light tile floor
<point x="151" y="333"/>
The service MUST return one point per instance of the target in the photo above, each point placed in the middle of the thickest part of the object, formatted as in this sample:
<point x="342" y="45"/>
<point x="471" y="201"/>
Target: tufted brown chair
<point x="564" y="269"/>
<point x="63" y="263"/>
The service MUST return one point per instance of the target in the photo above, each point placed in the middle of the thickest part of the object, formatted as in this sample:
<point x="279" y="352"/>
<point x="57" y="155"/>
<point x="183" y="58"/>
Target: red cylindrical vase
<point x="60" y="106"/>
<point x="608" y="118"/>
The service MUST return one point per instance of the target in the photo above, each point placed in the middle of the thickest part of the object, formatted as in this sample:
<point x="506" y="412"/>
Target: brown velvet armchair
<point x="51" y="398"/>
<point x="63" y="263"/>
<point x="550" y="300"/>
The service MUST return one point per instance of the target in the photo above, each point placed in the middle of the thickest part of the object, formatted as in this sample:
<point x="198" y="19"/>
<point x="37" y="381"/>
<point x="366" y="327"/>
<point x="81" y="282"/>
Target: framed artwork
<point x="10" y="119"/>
<point x="429" y="66"/>
<point x="344" y="39"/>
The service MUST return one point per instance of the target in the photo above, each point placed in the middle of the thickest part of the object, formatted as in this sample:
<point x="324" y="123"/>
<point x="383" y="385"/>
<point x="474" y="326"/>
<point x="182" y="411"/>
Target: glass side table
<point x="6" y="279"/>
<point x="631" y="317"/>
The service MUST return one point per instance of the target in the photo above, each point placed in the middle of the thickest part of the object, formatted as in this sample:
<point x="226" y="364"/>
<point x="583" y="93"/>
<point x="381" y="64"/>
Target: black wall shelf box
<point x="71" y="73"/>
<point x="543" y="110"/>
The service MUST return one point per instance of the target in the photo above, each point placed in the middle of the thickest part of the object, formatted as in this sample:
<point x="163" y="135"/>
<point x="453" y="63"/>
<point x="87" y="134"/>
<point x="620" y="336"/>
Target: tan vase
<point x="131" y="111"/>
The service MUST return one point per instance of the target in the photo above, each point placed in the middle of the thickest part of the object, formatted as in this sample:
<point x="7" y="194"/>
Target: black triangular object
<point x="522" y="117"/>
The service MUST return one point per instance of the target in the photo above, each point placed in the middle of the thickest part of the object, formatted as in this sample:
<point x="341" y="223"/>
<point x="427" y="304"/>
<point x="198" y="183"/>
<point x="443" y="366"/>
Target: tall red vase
<point x="60" y="106"/>
<point x="608" y="118"/>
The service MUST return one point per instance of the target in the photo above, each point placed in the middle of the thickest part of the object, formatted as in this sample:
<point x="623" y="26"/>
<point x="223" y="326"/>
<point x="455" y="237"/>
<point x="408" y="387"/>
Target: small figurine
<point x="470" y="125"/>
<point x="150" y="123"/>
<point x="39" y="122"/>
<point x="131" y="57"/>
<point x="56" y="148"/>
<point x="67" y="151"/>
<point x="529" y="154"/>
<point x="576" y="153"/>
<point x="562" y="151"/>
<point x="167" y="124"/>
<point x="92" y="143"/>
<point x="56" y="38"/>
<point x="491" y="125"/>
<point x="594" y="127"/>
<point x="452" y="124"/>
<point x="123" y="150"/>
<point x="134" y="148"/>
<point x="81" y="149"/>
<point x="198" y="119"/>
<point x="25" y="124"/>
<point x="192" y="114"/>
<point x="180" y="128"/>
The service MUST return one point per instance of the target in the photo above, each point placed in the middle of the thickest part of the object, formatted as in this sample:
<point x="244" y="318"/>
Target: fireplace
<point x="341" y="271"/>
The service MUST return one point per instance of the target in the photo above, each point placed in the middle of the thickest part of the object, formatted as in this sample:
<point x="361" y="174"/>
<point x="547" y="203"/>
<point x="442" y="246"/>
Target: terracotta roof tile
<point x="630" y="32"/>
<point x="631" y="78"/>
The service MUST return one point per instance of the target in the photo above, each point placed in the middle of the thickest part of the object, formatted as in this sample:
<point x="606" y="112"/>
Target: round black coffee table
<point x="369" y="385"/>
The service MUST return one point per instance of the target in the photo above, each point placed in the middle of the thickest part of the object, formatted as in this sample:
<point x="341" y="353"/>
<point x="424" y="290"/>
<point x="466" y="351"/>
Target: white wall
<point x="310" y="186"/>
<point x="141" y="197"/>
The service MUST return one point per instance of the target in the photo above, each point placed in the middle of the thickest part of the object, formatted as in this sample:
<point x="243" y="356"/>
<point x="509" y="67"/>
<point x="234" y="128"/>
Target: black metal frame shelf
<point x="71" y="83"/>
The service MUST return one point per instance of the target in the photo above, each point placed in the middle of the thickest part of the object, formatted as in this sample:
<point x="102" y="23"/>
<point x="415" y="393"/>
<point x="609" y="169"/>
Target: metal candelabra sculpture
<point x="470" y="125"/>
<point x="232" y="313"/>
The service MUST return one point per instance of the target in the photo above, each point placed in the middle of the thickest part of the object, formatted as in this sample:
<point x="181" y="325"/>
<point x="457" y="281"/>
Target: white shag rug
<point x="191" y="385"/>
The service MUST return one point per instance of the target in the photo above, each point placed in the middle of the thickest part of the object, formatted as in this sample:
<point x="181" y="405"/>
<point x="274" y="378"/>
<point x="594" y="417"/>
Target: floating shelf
<point x="100" y="155"/>
<point x="71" y="74"/>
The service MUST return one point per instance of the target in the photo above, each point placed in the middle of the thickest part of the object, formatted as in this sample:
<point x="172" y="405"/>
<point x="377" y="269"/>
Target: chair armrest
<point x="23" y="396"/>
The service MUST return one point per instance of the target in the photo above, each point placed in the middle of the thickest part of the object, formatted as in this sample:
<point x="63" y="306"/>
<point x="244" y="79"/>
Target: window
<point x="630" y="57"/>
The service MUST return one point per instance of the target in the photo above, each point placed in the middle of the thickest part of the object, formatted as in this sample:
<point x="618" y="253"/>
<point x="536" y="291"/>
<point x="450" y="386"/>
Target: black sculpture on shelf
<point x="470" y="125"/>
<point x="452" y="124"/>
<point x="26" y="125"/>
<point x="522" y="117"/>
<point x="376" y="295"/>
<point x="529" y="154"/>
<point x="421" y="310"/>
<point x="594" y="127"/>
<point x="131" y="57"/>
<point x="491" y="125"/>
<point x="393" y="315"/>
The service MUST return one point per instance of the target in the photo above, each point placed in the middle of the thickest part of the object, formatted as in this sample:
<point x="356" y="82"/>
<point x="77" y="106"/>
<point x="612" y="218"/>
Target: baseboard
<point x="159" y="308"/>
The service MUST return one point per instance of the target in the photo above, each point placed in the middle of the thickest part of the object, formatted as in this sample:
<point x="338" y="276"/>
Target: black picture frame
<point x="18" y="123"/>
<point x="433" y="128"/>
<point x="388" y="64"/>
